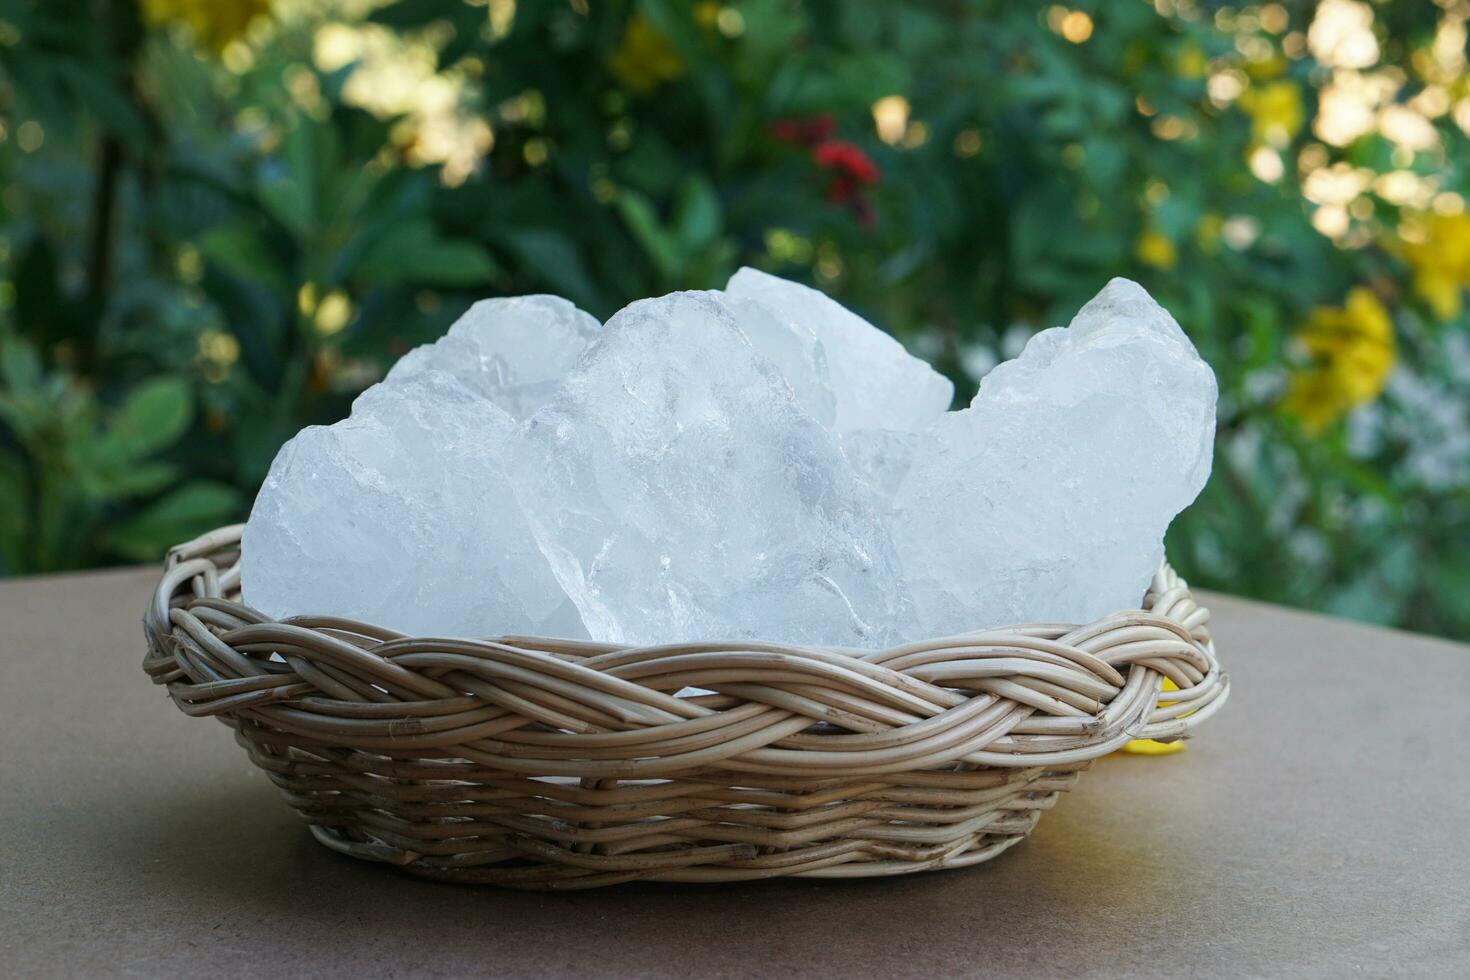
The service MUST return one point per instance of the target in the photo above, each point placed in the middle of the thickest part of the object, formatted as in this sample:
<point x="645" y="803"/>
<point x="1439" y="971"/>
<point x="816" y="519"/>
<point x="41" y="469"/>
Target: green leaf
<point x="651" y="165"/>
<point x="553" y="257"/>
<point x="20" y="365"/>
<point x="259" y="435"/>
<point x="453" y="263"/>
<point x="416" y="253"/>
<point x="154" y="416"/>
<point x="95" y="92"/>
<point x="137" y="480"/>
<point x="1106" y="160"/>
<point x="239" y="249"/>
<point x="657" y="244"/>
<point x="187" y="512"/>
<point x="41" y="304"/>
<point x="772" y="28"/>
<point x="671" y="19"/>
<point x="840" y="82"/>
<point x="1035" y="217"/>
<point x="414" y="13"/>
<point x="289" y="192"/>
<point x="698" y="217"/>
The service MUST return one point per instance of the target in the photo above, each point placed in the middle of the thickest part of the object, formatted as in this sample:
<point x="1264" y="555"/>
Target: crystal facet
<point x="1047" y="499"/>
<point x="512" y="351"/>
<point x="681" y="493"/>
<point x="402" y="515"/>
<point x="877" y="384"/>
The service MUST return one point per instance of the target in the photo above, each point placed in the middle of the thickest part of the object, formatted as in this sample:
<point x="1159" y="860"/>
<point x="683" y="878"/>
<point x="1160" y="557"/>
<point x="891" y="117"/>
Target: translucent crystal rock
<point x="401" y="515"/>
<point x="512" y="351"/>
<point x="1047" y="499"/>
<point x="681" y="492"/>
<point x="758" y="463"/>
<point x="876" y="383"/>
<point x="880" y="458"/>
<point x="792" y="348"/>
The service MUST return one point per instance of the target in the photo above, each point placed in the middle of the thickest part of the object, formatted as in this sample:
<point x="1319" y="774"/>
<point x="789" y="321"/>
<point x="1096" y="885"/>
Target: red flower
<point x="848" y="160"/>
<point x="850" y="168"/>
<point x="804" y="132"/>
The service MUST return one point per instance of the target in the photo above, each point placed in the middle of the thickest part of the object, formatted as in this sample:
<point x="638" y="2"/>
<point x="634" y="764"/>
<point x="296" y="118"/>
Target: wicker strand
<point x="540" y="763"/>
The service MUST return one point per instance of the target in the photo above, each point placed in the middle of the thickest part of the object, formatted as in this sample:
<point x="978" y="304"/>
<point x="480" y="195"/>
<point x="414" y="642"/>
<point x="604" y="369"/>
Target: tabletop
<point x="1319" y="825"/>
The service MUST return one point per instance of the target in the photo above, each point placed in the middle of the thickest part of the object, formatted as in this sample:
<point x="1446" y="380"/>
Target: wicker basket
<point x="542" y="763"/>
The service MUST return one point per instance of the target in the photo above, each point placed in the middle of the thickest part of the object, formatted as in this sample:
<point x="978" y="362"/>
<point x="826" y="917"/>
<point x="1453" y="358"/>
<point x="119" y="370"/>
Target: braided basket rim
<point x="537" y="762"/>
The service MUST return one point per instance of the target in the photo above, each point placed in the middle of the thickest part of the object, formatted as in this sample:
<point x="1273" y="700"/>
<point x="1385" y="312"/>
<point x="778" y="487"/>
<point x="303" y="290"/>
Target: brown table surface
<point x="1319" y="825"/>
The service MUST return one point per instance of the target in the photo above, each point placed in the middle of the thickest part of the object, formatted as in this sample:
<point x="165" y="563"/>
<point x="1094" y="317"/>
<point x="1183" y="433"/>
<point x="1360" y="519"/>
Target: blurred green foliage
<point x="222" y="220"/>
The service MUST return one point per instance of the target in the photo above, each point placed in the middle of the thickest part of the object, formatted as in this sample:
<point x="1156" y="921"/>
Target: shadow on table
<point x="234" y="858"/>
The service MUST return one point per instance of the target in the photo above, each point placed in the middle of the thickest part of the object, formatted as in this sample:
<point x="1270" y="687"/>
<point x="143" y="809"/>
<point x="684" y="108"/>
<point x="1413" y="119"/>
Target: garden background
<point x="221" y="219"/>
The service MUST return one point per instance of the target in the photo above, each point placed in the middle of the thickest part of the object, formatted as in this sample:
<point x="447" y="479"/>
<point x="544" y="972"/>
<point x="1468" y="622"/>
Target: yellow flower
<point x="1439" y="254"/>
<point x="707" y="14"/>
<point x="215" y="23"/>
<point x="1272" y="67"/>
<point x="1191" y="62"/>
<point x="1353" y="351"/>
<point x="1207" y="232"/>
<point x="1276" y="112"/>
<point x="1154" y="248"/>
<point x="1147" y="746"/>
<point x="644" y="59"/>
<point x="1314" y="399"/>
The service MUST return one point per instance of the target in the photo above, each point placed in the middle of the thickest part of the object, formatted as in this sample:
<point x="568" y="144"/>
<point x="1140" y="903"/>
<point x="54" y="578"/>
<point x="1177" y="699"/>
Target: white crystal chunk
<point x="756" y="463"/>
<point x="682" y="493"/>
<point x="877" y="384"/>
<point x="401" y="515"/>
<point x="793" y="350"/>
<point x="1047" y="499"/>
<point x="512" y="351"/>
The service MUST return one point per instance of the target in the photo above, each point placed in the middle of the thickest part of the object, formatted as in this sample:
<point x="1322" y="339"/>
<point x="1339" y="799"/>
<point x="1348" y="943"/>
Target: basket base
<point x="457" y="822"/>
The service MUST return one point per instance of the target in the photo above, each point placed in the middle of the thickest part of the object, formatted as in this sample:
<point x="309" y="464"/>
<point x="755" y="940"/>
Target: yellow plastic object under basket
<point x="1147" y="746"/>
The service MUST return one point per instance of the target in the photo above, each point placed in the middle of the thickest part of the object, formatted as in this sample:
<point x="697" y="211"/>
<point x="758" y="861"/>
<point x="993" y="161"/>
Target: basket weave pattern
<point x="543" y="763"/>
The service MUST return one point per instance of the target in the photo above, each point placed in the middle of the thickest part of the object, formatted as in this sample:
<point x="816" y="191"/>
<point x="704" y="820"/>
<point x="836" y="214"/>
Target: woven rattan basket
<point x="542" y="763"/>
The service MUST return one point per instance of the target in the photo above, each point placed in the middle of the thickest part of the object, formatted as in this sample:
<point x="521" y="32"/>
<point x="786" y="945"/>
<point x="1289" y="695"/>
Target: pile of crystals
<point x="752" y="463"/>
